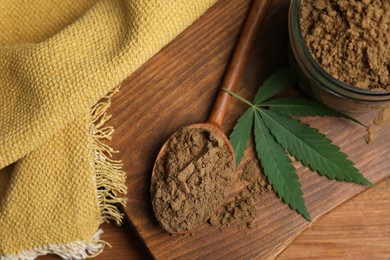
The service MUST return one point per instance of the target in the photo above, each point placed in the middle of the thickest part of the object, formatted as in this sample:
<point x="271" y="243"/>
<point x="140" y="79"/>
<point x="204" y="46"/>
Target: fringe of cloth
<point x="73" y="250"/>
<point x="109" y="177"/>
<point x="110" y="182"/>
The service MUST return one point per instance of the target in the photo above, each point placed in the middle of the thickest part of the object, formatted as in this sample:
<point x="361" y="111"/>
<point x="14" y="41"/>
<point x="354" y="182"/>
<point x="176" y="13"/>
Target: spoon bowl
<point x="206" y="127"/>
<point x="220" y="140"/>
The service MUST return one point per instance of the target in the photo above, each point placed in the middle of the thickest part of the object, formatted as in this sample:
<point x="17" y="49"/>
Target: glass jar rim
<point x="297" y="13"/>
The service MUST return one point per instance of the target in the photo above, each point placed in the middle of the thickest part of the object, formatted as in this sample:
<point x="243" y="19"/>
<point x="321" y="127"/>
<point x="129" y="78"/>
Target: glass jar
<point x="320" y="85"/>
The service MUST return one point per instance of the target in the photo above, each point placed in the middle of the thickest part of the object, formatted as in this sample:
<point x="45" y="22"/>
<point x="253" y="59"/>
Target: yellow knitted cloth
<point x="58" y="58"/>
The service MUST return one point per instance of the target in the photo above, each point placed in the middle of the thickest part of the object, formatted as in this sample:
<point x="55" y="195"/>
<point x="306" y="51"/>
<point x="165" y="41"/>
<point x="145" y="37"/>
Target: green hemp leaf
<point x="277" y="134"/>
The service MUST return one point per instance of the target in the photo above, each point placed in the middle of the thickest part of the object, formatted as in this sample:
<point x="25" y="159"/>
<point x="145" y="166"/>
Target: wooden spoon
<point x="232" y="77"/>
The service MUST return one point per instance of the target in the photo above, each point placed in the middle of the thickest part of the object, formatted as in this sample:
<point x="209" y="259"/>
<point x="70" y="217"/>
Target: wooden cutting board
<point x="177" y="87"/>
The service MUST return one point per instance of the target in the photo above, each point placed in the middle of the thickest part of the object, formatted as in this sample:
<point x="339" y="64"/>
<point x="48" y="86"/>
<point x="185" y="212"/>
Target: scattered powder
<point x="371" y="135"/>
<point x="383" y="118"/>
<point x="243" y="207"/>
<point x="191" y="180"/>
<point x="350" y="40"/>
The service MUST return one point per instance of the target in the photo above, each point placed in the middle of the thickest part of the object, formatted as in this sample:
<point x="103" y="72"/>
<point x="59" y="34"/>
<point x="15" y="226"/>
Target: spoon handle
<point x="236" y="67"/>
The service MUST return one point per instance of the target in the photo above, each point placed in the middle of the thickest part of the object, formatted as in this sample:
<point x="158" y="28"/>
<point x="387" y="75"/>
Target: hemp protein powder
<point x="191" y="180"/>
<point x="241" y="210"/>
<point x="350" y="40"/>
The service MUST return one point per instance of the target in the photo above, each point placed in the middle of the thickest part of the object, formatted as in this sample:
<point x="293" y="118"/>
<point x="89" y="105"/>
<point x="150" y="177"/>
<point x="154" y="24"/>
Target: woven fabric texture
<point x="57" y="60"/>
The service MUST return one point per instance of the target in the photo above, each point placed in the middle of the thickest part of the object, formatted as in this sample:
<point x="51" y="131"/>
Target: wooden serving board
<point x="178" y="86"/>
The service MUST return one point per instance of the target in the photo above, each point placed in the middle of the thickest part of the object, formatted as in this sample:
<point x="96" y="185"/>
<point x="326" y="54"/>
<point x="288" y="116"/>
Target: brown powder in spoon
<point x="191" y="180"/>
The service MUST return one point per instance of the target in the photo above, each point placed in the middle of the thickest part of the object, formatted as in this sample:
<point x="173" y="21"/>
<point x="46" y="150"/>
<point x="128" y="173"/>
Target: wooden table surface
<point x="177" y="87"/>
<point x="357" y="229"/>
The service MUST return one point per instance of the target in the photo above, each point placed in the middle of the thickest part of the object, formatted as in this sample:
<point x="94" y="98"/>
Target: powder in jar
<point x="350" y="40"/>
<point x="191" y="179"/>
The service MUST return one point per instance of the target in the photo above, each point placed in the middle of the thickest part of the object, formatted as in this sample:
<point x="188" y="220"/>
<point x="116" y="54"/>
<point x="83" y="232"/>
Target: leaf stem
<point x="238" y="97"/>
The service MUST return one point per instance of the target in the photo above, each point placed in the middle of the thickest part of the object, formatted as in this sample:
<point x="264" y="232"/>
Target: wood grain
<point x="358" y="229"/>
<point x="177" y="87"/>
